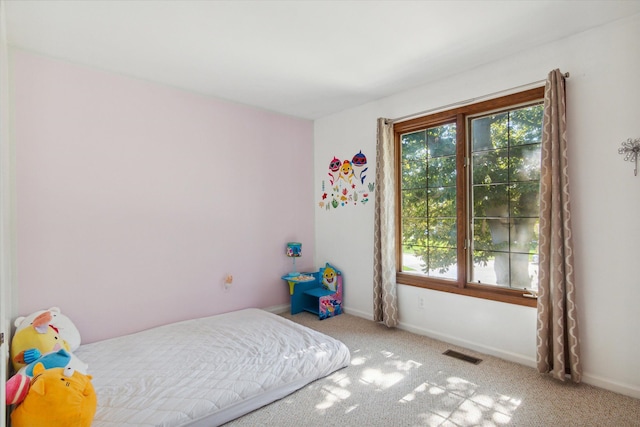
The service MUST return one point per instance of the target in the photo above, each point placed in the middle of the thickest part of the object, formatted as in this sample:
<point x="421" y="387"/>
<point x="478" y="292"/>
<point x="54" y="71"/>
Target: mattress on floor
<point x="205" y="372"/>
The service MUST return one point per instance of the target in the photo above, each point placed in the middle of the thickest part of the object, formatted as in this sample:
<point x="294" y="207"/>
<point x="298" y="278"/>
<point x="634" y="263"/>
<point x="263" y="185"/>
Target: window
<point x="468" y="190"/>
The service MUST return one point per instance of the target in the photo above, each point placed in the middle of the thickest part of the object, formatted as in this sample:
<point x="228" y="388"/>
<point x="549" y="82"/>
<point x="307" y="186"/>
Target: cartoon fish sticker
<point x="334" y="166"/>
<point x="346" y="171"/>
<point x="359" y="161"/>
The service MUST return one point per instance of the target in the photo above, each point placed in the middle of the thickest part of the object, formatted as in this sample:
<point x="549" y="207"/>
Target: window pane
<point x="411" y="260"/>
<point x="442" y="171"/>
<point x="414" y="174"/>
<point x="505" y="170"/>
<point x="442" y="140"/>
<point x="439" y="263"/>
<point x="442" y="232"/>
<point x="485" y="270"/>
<point x="524" y="273"/>
<point x="414" y="203"/>
<point x="490" y="132"/>
<point x="524" y="163"/>
<point x="414" y="232"/>
<point x="491" y="200"/>
<point x="525" y="125"/>
<point x="414" y="146"/>
<point x="503" y="269"/>
<point x="491" y="234"/>
<point x="429" y="233"/>
<point x="442" y="202"/>
<point x="525" y="200"/>
<point x="428" y="261"/>
<point x="490" y="166"/>
<point x="524" y="236"/>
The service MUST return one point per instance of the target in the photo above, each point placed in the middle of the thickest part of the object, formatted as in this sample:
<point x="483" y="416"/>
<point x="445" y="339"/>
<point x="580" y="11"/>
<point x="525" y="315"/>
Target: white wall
<point x="603" y="110"/>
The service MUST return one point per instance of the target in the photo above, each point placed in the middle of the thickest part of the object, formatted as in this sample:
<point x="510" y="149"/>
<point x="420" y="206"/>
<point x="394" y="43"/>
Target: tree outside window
<point x="468" y="186"/>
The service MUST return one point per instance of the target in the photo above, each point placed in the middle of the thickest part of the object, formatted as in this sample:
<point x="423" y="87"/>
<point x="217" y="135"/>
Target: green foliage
<point x="505" y="164"/>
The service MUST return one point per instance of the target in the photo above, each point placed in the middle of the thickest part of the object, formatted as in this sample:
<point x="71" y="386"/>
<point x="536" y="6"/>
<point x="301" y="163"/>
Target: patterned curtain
<point x="385" y="299"/>
<point x="558" y="349"/>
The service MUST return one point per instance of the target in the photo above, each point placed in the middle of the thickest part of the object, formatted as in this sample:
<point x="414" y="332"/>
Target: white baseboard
<point x="512" y="357"/>
<point x="358" y="313"/>
<point x="481" y="348"/>
<point x="617" y="387"/>
<point x="594" y="380"/>
<point x="278" y="309"/>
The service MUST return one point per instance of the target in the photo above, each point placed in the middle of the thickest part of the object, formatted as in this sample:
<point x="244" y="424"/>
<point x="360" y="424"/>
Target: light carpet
<point x="397" y="378"/>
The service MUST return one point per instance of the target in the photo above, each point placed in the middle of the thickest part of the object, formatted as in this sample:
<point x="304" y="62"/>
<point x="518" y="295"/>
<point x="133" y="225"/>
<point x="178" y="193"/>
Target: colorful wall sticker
<point x="346" y="184"/>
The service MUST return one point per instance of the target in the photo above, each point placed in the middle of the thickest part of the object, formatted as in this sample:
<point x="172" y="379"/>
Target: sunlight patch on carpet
<point x="329" y="400"/>
<point x="379" y="379"/>
<point x="404" y="365"/>
<point x="355" y="361"/>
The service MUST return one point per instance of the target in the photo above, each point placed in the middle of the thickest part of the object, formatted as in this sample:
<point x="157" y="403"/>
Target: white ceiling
<point x="303" y="58"/>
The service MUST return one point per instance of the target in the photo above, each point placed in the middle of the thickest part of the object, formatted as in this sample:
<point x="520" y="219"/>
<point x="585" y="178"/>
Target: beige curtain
<point x="558" y="350"/>
<point x="385" y="299"/>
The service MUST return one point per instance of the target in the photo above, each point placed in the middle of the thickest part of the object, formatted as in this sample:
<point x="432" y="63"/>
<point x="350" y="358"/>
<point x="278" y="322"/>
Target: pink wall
<point x="134" y="200"/>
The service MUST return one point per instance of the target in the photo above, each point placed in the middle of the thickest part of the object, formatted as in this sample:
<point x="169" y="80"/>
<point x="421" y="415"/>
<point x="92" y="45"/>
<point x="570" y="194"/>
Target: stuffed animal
<point x="16" y="389"/>
<point x="38" y="338"/>
<point x="62" y="323"/>
<point x="58" y="397"/>
<point x="38" y="341"/>
<point x="17" y="386"/>
<point x="58" y="359"/>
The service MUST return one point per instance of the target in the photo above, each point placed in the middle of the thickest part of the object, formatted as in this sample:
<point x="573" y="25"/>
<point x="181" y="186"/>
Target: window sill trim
<point x="472" y="290"/>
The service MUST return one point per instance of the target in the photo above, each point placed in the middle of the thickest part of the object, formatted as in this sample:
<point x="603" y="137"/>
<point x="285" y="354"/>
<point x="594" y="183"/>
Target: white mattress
<point x="208" y="371"/>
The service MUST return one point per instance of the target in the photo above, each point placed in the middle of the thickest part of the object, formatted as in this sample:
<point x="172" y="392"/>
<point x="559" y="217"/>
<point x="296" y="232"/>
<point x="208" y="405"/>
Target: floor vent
<point x="461" y="356"/>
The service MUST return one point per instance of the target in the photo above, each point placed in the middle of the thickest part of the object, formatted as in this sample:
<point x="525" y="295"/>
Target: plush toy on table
<point x="58" y="397"/>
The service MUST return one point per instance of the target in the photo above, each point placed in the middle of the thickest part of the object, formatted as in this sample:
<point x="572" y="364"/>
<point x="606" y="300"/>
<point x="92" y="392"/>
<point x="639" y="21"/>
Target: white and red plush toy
<point x="59" y="321"/>
<point x="51" y="387"/>
<point x="38" y="340"/>
<point x="35" y="339"/>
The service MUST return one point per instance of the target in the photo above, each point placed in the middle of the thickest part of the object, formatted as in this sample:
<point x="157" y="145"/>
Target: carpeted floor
<point x="397" y="378"/>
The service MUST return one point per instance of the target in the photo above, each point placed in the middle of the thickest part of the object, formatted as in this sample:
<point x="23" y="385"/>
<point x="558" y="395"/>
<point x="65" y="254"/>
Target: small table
<point x="305" y="290"/>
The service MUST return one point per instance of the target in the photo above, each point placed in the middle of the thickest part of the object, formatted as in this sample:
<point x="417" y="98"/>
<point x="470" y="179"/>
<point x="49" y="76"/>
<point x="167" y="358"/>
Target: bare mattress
<point x="205" y="372"/>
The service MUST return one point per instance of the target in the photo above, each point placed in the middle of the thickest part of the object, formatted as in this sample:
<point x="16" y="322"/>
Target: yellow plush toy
<point x="33" y="341"/>
<point x="58" y="397"/>
<point x="67" y="330"/>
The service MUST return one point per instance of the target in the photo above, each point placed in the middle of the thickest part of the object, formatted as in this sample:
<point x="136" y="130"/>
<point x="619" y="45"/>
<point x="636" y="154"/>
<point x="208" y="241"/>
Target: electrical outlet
<point x="421" y="303"/>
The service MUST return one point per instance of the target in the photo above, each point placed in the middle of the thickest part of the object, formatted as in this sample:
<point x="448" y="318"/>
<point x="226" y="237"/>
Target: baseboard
<point x="512" y="357"/>
<point x="617" y="387"/>
<point x="481" y="348"/>
<point x="358" y="313"/>
<point x="278" y="309"/>
<point x="594" y="380"/>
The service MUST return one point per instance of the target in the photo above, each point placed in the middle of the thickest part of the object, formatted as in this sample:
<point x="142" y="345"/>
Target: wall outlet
<point x="421" y="303"/>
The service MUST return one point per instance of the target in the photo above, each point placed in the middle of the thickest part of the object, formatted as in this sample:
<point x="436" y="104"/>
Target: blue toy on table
<point x="319" y="292"/>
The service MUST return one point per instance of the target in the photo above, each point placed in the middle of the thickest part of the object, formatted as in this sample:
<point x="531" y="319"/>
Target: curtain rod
<point x="468" y="101"/>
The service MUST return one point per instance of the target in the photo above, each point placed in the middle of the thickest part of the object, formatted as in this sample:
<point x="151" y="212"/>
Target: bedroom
<point x="160" y="151"/>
